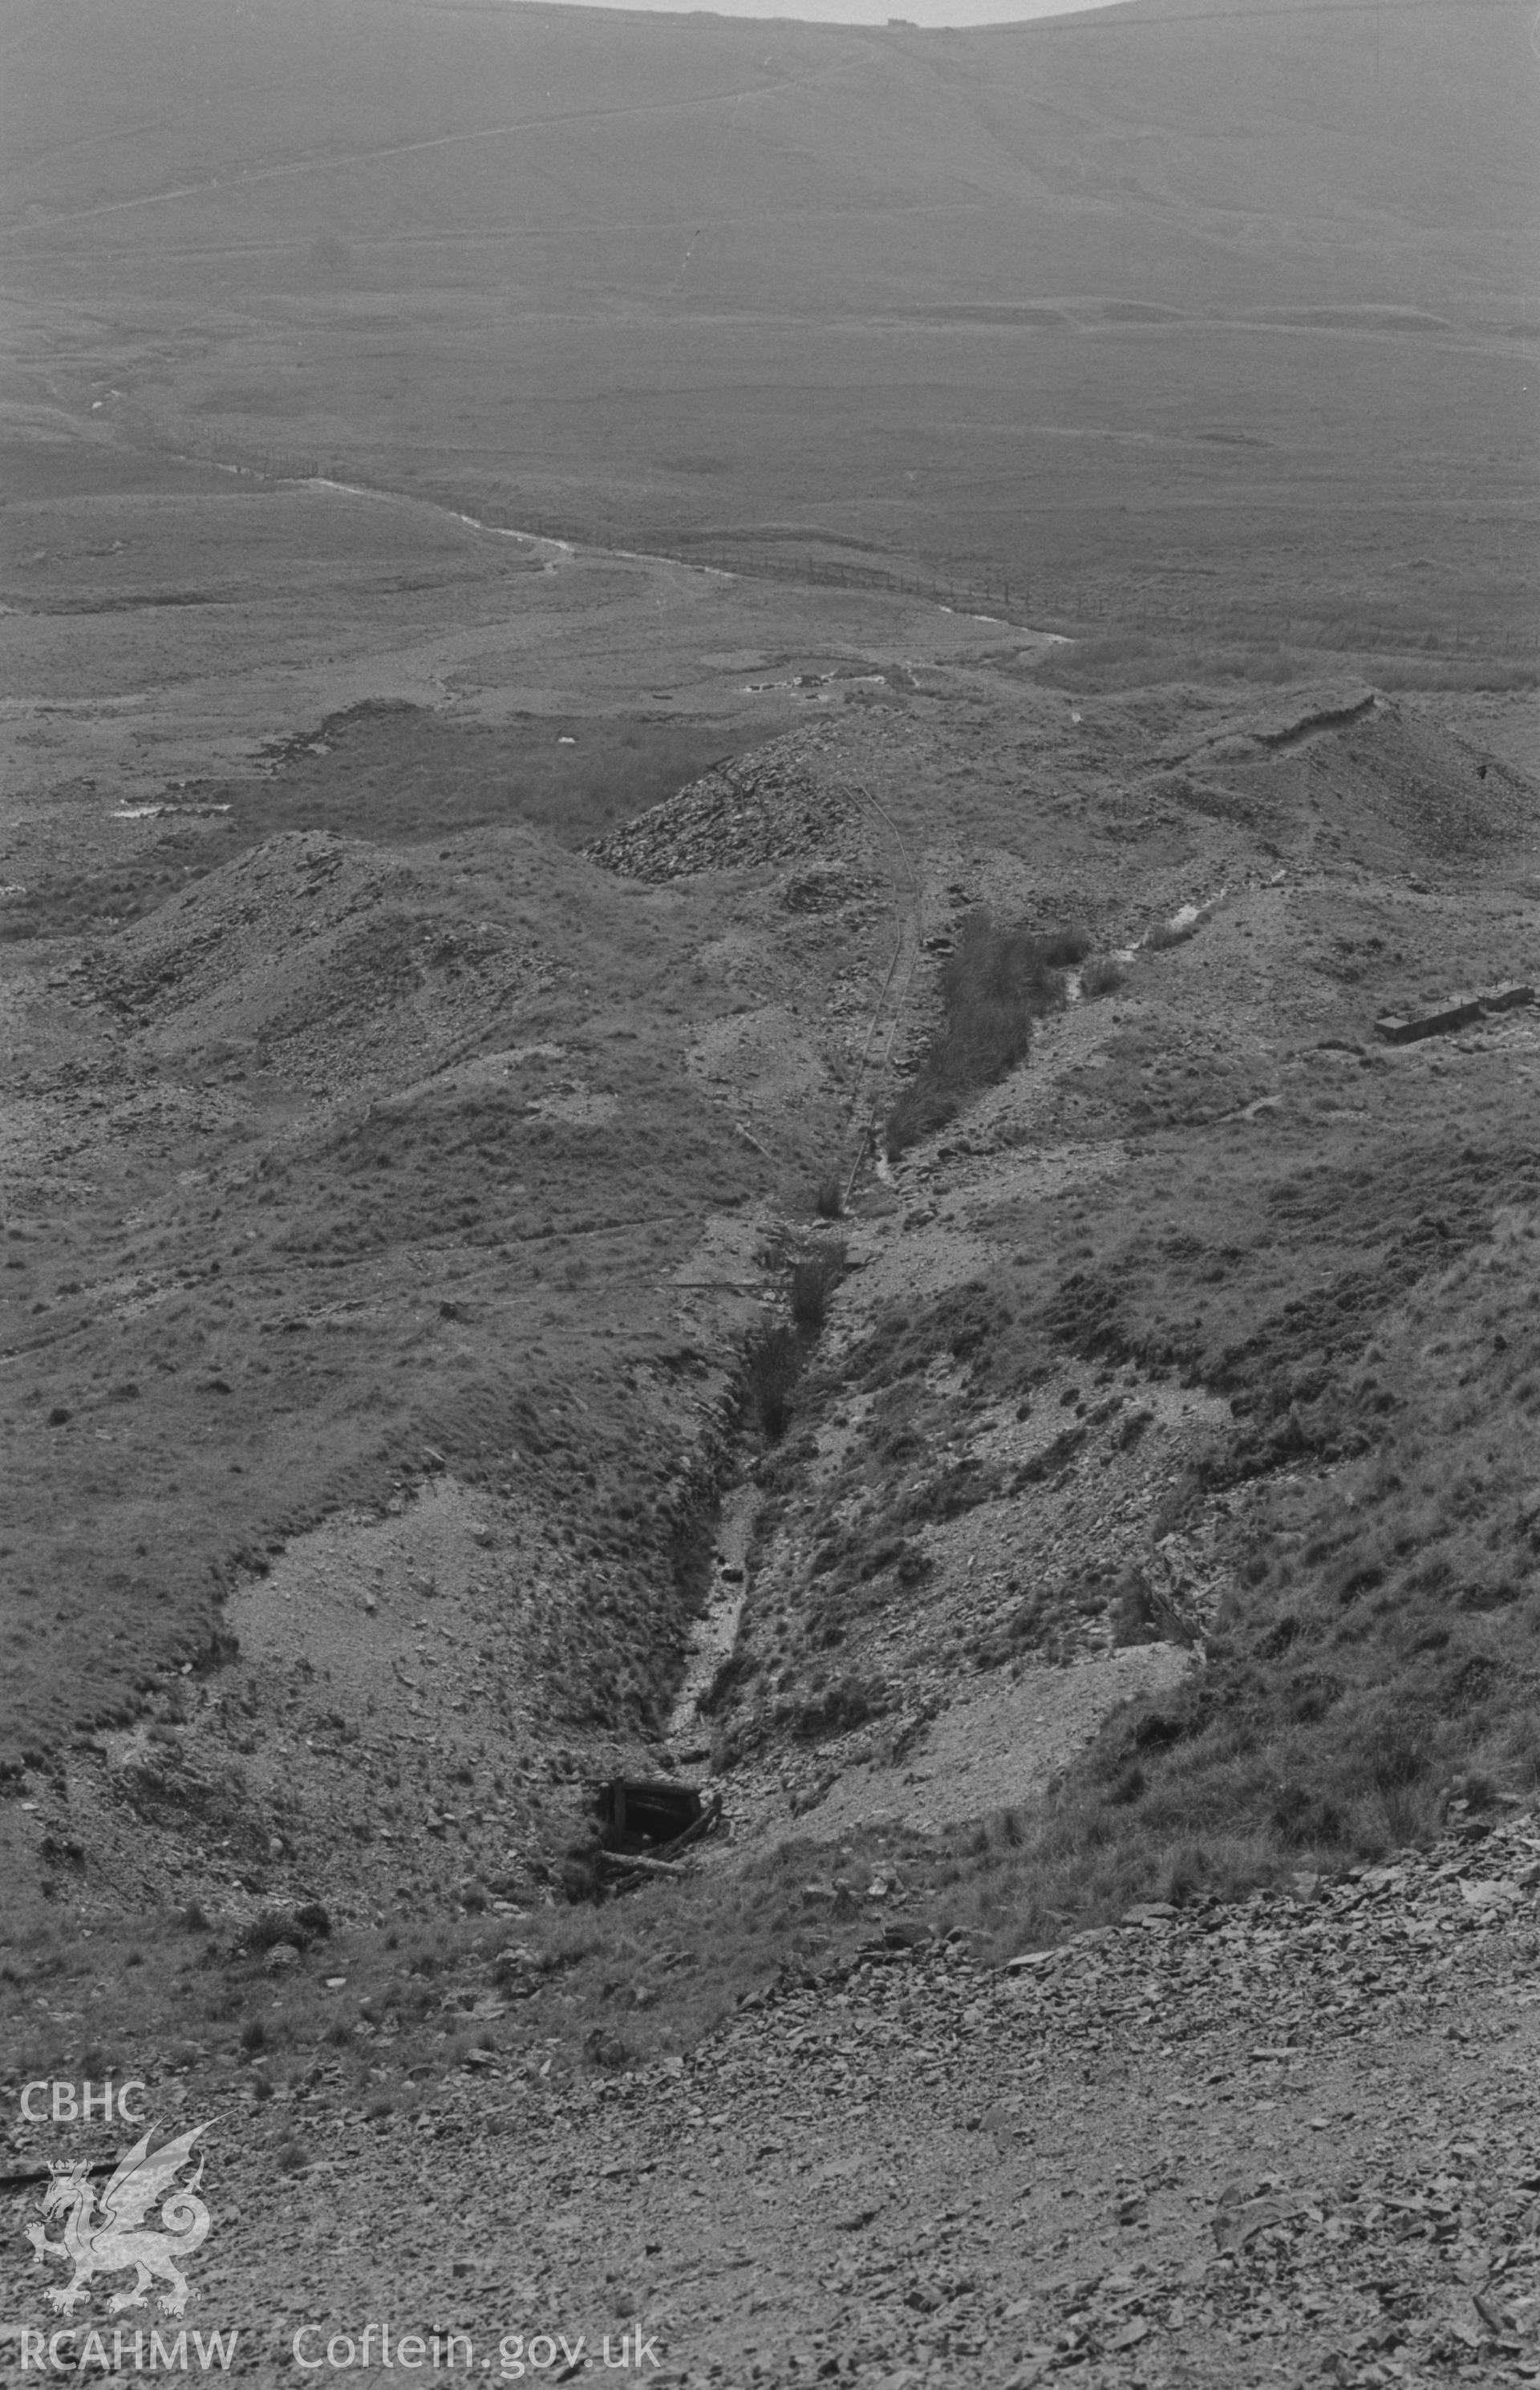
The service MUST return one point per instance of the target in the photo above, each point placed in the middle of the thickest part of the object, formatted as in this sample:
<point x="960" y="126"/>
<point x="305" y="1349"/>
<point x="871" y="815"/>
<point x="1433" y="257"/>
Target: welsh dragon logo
<point x="118" y="2238"/>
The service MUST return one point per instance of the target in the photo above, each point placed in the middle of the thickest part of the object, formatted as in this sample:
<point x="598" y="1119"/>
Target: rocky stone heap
<point x="769" y="808"/>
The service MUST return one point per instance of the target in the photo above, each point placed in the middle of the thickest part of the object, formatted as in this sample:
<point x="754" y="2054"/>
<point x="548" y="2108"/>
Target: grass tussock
<point x="1103" y="975"/>
<point x="993" y="985"/>
<point x="1378" y="1657"/>
<point x="580" y="1991"/>
<point x="814" y="1279"/>
<point x="776" y="1350"/>
<point x="772" y="1362"/>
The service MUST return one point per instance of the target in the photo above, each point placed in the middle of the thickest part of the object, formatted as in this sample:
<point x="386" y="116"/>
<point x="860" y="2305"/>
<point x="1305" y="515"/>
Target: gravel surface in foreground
<point x="1291" y="2141"/>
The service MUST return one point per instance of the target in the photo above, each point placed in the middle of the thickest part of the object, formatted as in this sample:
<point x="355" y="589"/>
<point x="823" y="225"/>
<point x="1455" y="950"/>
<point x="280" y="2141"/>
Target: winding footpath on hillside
<point x="1286" y="2140"/>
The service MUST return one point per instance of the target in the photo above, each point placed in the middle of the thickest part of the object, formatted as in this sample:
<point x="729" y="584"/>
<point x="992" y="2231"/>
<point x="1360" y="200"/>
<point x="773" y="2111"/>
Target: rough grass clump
<point x="1102" y="976"/>
<point x="828" y="1199"/>
<point x="1377" y="1656"/>
<point x="772" y="1359"/>
<point x="993" y="985"/>
<point x="814" y="1279"/>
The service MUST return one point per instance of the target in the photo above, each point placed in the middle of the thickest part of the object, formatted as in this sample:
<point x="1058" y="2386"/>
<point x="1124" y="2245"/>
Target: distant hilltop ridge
<point x="1208" y="320"/>
<point x="1238" y="152"/>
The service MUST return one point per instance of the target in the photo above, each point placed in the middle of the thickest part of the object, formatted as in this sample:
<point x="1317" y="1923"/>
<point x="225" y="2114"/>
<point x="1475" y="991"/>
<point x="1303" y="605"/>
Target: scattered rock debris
<point x="1286" y="2140"/>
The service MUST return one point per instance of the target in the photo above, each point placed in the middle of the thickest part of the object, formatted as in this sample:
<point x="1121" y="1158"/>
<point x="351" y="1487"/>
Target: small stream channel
<point x="715" y="1630"/>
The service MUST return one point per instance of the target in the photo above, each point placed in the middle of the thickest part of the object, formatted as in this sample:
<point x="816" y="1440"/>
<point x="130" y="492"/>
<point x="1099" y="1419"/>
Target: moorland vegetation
<point x="381" y="1151"/>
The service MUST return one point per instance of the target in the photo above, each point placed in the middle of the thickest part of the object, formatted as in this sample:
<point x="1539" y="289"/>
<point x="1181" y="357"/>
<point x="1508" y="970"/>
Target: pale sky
<point x="870" y="12"/>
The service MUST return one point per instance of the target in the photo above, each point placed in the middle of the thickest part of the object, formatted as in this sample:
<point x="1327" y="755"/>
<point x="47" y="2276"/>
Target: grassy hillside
<point x="1156" y="311"/>
<point x="1255" y="152"/>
